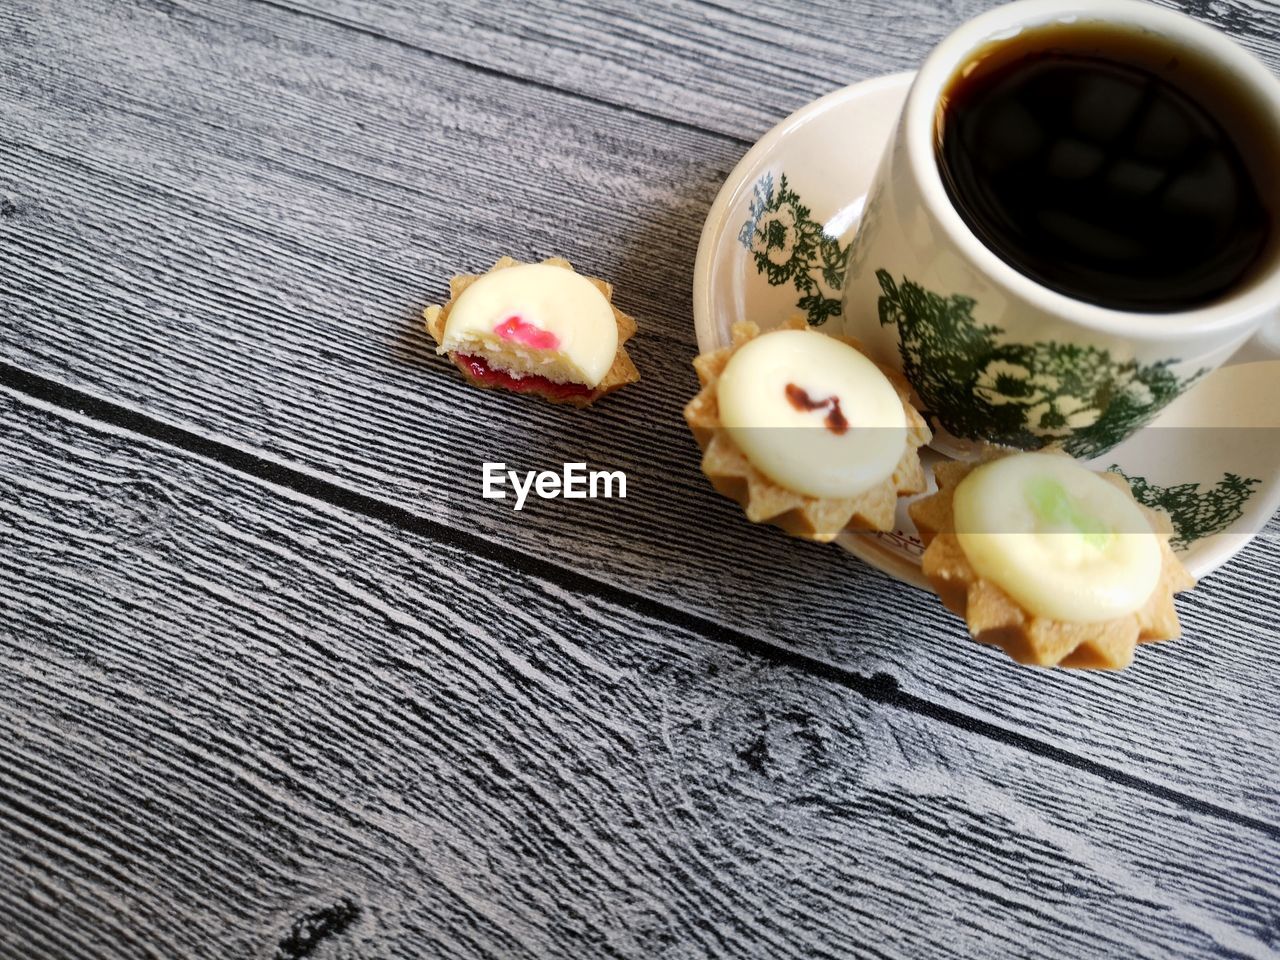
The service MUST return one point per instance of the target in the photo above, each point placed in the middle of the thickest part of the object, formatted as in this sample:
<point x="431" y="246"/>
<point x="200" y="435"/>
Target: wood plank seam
<point x="862" y="825"/>
<point x="879" y="688"/>
<point x="493" y="72"/>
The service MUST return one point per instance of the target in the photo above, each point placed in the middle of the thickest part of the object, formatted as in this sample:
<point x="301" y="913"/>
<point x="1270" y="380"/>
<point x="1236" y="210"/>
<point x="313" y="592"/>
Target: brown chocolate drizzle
<point x="834" y="420"/>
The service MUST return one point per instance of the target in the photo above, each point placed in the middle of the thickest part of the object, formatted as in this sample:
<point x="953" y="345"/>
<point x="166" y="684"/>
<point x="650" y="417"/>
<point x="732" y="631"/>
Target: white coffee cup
<point x="993" y="355"/>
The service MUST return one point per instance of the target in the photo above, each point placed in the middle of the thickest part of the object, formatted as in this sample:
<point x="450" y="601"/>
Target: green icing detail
<point x="1058" y="509"/>
<point x="1021" y="395"/>
<point x="1193" y="512"/>
<point x="789" y="246"/>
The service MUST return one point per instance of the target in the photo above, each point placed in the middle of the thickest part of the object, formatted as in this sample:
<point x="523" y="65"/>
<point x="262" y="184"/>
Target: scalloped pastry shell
<point x="993" y="617"/>
<point x="814" y="518"/>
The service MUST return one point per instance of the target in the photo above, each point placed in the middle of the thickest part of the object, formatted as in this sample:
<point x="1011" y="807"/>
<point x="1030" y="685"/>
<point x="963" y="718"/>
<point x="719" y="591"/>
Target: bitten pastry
<point x="805" y="432"/>
<point x="1052" y="562"/>
<point x="535" y="328"/>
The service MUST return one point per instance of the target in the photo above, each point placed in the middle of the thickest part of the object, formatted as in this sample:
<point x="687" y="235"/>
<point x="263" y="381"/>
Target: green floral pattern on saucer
<point x="789" y="246"/>
<point x="1195" y="513"/>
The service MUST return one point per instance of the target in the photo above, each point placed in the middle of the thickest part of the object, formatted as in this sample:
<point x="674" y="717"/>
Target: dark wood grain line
<point x="732" y="68"/>
<point x="437" y="53"/>
<point x="490" y="764"/>
<point x="879" y="688"/>
<point x="230" y="222"/>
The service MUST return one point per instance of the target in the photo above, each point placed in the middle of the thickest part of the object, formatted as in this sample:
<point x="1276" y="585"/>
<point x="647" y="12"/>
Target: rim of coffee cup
<point x="1240" y="308"/>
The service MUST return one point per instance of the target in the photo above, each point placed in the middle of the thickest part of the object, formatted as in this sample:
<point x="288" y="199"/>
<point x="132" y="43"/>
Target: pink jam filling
<point x="479" y="368"/>
<point x="519" y="330"/>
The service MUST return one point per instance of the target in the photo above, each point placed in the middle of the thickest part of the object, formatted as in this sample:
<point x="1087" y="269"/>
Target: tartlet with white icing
<point x="1055" y="564"/>
<point x="538" y="328"/>
<point x="805" y="432"/>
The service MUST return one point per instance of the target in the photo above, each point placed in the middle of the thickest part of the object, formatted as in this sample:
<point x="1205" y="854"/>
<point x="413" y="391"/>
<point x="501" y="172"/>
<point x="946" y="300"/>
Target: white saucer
<point x="1220" y="485"/>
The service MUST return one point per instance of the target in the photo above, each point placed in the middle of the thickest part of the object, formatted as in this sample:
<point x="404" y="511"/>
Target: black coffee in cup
<point x="1111" y="166"/>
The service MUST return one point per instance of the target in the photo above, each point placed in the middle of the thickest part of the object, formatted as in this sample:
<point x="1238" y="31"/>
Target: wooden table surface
<point x="276" y="682"/>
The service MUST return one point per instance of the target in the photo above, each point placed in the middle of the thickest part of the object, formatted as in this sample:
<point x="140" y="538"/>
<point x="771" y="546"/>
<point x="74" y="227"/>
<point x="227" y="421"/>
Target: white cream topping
<point x="535" y="319"/>
<point x="763" y="394"/>
<point x="1061" y="541"/>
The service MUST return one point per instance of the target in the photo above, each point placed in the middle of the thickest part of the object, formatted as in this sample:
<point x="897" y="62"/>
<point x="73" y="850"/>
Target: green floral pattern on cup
<point x="1195" y="513"/>
<point x="1037" y="394"/>
<point x="1022" y="395"/>
<point x="789" y="246"/>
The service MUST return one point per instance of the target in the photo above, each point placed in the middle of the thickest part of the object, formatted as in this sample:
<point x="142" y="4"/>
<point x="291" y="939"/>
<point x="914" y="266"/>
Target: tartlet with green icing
<point x="805" y="432"/>
<point x="537" y="328"/>
<point x="1053" y="563"/>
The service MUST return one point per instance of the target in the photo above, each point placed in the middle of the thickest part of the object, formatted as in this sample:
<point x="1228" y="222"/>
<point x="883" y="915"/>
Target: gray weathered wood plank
<point x="735" y="67"/>
<point x="234" y="719"/>
<point x="228" y="217"/>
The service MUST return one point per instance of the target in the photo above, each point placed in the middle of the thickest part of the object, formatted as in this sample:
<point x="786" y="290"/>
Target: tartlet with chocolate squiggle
<point x="805" y="432"/>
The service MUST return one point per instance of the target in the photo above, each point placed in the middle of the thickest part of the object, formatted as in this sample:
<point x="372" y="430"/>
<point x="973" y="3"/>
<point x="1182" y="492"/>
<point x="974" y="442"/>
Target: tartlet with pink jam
<point x="536" y="328"/>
